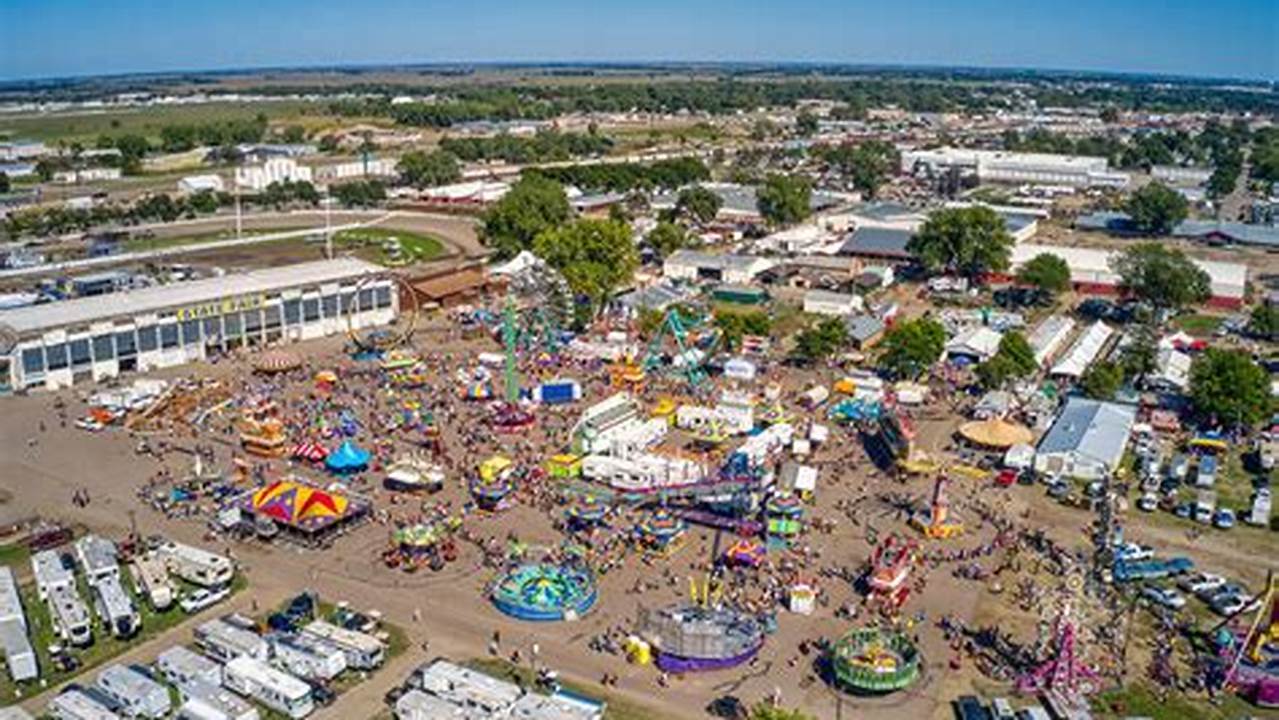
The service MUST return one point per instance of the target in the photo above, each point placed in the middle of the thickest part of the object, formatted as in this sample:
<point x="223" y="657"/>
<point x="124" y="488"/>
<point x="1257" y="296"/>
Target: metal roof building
<point x="1087" y="440"/>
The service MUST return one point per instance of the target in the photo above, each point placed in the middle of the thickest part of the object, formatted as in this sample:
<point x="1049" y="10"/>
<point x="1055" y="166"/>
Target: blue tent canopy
<point x="347" y="458"/>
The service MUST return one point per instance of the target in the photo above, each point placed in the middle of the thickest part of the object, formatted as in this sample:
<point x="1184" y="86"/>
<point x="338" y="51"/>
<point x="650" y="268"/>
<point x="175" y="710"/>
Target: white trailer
<point x="134" y="693"/>
<point x="362" y="651"/>
<point x="181" y="667"/>
<point x="273" y="688"/>
<point x="196" y="565"/>
<point x="56" y="587"/>
<point x="202" y="701"/>
<point x="51" y="571"/>
<point x="18" y="653"/>
<point x="97" y="558"/>
<point x="151" y="578"/>
<point x="115" y="608"/>
<point x="223" y="642"/>
<point x="307" y="656"/>
<point x="76" y="704"/>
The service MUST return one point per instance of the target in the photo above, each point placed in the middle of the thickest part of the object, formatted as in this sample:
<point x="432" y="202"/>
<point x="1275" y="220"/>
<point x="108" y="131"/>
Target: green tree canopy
<point x="806" y="124"/>
<point x="1264" y="321"/>
<point x="1014" y="359"/>
<point x="666" y="238"/>
<point x="1228" y="386"/>
<point x="1161" y="276"/>
<point x="1140" y="356"/>
<point x="969" y="241"/>
<point x="784" y="199"/>
<point x="911" y="347"/>
<point x="595" y="256"/>
<point x="867" y="164"/>
<point x="698" y="203"/>
<point x="736" y="325"/>
<point x="4" y="182"/>
<point x="1047" y="272"/>
<point x="533" y="205"/>
<point x="1156" y="208"/>
<point x="423" y="170"/>
<point x="1102" y="380"/>
<point x="822" y="340"/>
<point x="767" y="711"/>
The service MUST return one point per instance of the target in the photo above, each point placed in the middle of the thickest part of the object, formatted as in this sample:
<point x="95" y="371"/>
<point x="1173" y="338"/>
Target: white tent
<point x="1019" y="457"/>
<point x="1084" y="351"/>
<point x="1050" y="336"/>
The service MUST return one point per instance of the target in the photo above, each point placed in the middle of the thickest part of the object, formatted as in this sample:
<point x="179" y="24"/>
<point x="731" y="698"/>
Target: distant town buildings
<point x="996" y="166"/>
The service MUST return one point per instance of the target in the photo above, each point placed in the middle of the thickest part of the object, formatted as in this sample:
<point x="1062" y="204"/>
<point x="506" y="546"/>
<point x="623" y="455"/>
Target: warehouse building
<point x="996" y="166"/>
<point x="59" y="344"/>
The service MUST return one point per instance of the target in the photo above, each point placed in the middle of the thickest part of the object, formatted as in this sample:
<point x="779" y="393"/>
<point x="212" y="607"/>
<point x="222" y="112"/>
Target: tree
<point x="1102" y="380"/>
<point x="666" y="238"/>
<point x="1014" y="359"/>
<point x="1047" y="272"/>
<point x="698" y="203"/>
<point x="1264" y="321"/>
<point x="821" y="341"/>
<point x="736" y="325"/>
<point x="1156" y="209"/>
<point x="806" y="124"/>
<point x="294" y="134"/>
<point x="533" y="205"/>
<point x="768" y="711"/>
<point x="911" y="347"/>
<point x="866" y="165"/>
<point x="423" y="170"/>
<point x="1161" y="276"/>
<point x="1110" y="114"/>
<point x="45" y="169"/>
<point x="1140" y="357"/>
<point x="328" y="144"/>
<point x="359" y="193"/>
<point x="1228" y="386"/>
<point x="595" y="256"/>
<point x="4" y="183"/>
<point x="970" y="241"/>
<point x="784" y="200"/>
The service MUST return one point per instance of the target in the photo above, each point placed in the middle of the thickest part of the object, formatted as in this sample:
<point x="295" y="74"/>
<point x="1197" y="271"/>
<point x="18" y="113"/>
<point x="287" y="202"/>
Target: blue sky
<point x="1234" y="38"/>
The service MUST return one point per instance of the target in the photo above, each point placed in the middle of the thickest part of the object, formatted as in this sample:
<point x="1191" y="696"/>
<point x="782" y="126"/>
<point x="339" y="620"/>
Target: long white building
<point x="1019" y="168"/>
<point x="63" y="343"/>
<point x="260" y="177"/>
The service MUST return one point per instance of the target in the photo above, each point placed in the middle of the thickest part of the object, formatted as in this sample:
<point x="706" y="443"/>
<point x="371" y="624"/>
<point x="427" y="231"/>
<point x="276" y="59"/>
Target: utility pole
<point x="328" y="225"/>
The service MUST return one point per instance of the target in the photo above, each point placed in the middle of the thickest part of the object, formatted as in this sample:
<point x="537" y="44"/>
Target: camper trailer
<point x="308" y="656"/>
<point x="196" y="565"/>
<point x="97" y="558"/>
<point x="115" y="608"/>
<point x="78" y="704"/>
<point x="181" y="667"/>
<point x="203" y="701"/>
<point x="151" y="578"/>
<point x="362" y="651"/>
<point x="273" y="688"/>
<point x="223" y="642"/>
<point x="56" y="587"/>
<point x="134" y="693"/>
<point x="18" y="654"/>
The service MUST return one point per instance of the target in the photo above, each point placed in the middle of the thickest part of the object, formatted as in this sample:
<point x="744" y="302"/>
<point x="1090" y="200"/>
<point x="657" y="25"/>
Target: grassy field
<point x="88" y="125"/>
<point x="617" y="709"/>
<point x="1197" y="325"/>
<point x="1140" y="700"/>
<point x="371" y="243"/>
<point x="105" y="646"/>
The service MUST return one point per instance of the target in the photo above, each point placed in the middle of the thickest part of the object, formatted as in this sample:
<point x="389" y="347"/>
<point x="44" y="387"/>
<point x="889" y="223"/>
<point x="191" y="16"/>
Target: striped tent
<point x="309" y="451"/>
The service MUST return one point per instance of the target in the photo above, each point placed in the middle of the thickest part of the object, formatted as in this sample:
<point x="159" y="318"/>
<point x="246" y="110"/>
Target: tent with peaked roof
<point x="302" y="507"/>
<point x="347" y="458"/>
<point x="996" y="433"/>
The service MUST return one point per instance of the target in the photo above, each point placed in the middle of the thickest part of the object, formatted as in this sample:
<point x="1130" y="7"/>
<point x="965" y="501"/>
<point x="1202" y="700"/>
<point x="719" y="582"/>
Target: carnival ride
<point x="545" y="592"/>
<point x="1252" y="656"/>
<point x="263" y="438"/>
<point x="702" y="635"/>
<point x="688" y="359"/>
<point x="586" y="513"/>
<point x="412" y="474"/>
<point x="626" y="374"/>
<point x="347" y="458"/>
<point x="661" y="531"/>
<point x="782" y="514"/>
<point x="745" y="553"/>
<point x="494" y="483"/>
<point x="373" y="345"/>
<point x="889" y="568"/>
<point x="936" y="521"/>
<point x="873" y="661"/>
<point x="422" y="544"/>
<point x="1063" y="671"/>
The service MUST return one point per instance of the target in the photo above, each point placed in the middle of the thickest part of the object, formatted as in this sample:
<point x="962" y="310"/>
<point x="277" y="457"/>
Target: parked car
<point x="1184" y="510"/>
<point x="1201" y="582"/>
<point x="1229" y="589"/>
<point x="1059" y="489"/>
<point x="1233" y="604"/>
<point x="1224" y="518"/>
<point x="204" y="598"/>
<point x="1148" y="502"/>
<point x="968" y="707"/>
<point x="1163" y="596"/>
<point x="1132" y="552"/>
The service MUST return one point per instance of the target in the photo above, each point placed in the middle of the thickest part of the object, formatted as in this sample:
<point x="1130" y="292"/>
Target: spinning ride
<point x="871" y="661"/>
<point x="693" y="638"/>
<point x="937" y="522"/>
<point x="661" y="531"/>
<point x="544" y="592"/>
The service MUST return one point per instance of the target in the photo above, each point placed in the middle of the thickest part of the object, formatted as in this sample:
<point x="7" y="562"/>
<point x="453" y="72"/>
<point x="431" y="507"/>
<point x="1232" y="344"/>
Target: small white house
<point x="979" y="344"/>
<point x="825" y="302"/>
<point x="192" y="184"/>
<point x="721" y="268"/>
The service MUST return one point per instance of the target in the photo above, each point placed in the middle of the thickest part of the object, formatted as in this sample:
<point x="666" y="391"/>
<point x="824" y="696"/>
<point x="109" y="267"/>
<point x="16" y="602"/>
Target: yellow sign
<point x="221" y="307"/>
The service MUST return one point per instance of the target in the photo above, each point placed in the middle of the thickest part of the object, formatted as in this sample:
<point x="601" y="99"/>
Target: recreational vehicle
<point x="196" y="565"/>
<point x="308" y="656"/>
<point x="223" y="642"/>
<point x="77" y="704"/>
<point x="203" y="701"/>
<point x="115" y="608"/>
<point x="182" y="667"/>
<point x="151" y="578"/>
<point x="133" y="692"/>
<point x="51" y="570"/>
<point x="18" y="654"/>
<point x="70" y="616"/>
<point x="97" y="558"/>
<point x="273" y="688"/>
<point x="363" y="651"/>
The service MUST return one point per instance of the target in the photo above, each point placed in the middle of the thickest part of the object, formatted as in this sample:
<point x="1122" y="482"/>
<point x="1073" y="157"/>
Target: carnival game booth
<point x="544" y="592"/>
<point x="694" y="638"/>
<point x="301" y="511"/>
<point x="871" y="661"/>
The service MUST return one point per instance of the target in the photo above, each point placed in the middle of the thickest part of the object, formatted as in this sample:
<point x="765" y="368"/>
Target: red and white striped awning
<point x="311" y="451"/>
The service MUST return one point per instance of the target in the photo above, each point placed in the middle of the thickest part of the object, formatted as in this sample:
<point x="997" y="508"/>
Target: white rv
<point x="276" y="689"/>
<point x="196" y="565"/>
<point x="115" y="608"/>
<point x="308" y="656"/>
<point x="181" y="667"/>
<point x="76" y="704"/>
<point x="151" y="578"/>
<point x="363" y="651"/>
<point x="56" y="587"/>
<point x="18" y="654"/>
<point x="97" y="558"/>
<point x="213" y="702"/>
<point x="133" y="692"/>
<point x="223" y="641"/>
